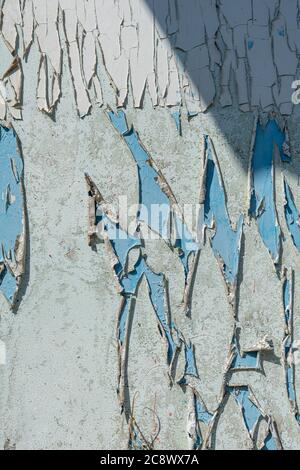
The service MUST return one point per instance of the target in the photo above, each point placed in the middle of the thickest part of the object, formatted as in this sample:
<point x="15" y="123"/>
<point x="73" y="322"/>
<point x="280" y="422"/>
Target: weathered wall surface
<point x="59" y="383"/>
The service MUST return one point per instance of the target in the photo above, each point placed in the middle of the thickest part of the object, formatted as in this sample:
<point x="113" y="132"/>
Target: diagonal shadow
<point x="232" y="123"/>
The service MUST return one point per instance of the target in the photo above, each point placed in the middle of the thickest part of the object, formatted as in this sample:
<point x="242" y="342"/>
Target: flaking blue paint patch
<point x="262" y="204"/>
<point x="190" y="367"/>
<point x="190" y="362"/>
<point x="225" y="241"/>
<point x="176" y="115"/>
<point x="130" y="281"/>
<point x="287" y="301"/>
<point x="184" y="243"/>
<point x="250" y="412"/>
<point x="269" y="443"/>
<point x="292" y="217"/>
<point x="155" y="206"/>
<point x="121" y="241"/>
<point x="247" y="361"/>
<point x="150" y="192"/>
<point x="157" y="294"/>
<point x="11" y="211"/>
<point x="202" y="414"/>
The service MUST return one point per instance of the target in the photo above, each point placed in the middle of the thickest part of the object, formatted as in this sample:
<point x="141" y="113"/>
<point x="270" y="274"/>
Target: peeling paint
<point x="287" y="342"/>
<point x="291" y="215"/>
<point x="154" y="191"/>
<point x="163" y="47"/>
<point x="252" y="414"/>
<point x="261" y="193"/>
<point x="184" y="59"/>
<point x="225" y="240"/>
<point x="12" y="224"/>
<point x="129" y="282"/>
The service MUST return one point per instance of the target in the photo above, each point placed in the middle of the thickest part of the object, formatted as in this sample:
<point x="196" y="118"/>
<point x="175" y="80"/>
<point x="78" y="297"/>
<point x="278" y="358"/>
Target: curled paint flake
<point x="245" y="360"/>
<point x="262" y="205"/>
<point x="12" y="228"/>
<point x="225" y="241"/>
<point x="249" y="359"/>
<point x="292" y="216"/>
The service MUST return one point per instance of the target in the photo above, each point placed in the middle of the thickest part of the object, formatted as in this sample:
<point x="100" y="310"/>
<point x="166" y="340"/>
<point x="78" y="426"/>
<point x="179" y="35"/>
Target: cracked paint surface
<point x="225" y="243"/>
<point x="183" y="59"/>
<point x="160" y="45"/>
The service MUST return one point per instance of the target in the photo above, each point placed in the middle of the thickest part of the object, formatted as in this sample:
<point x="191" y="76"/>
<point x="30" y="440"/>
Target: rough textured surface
<point x="59" y="384"/>
<point x="182" y="53"/>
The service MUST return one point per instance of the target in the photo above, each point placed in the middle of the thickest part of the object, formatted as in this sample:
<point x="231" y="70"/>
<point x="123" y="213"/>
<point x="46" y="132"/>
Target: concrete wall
<point x="58" y="386"/>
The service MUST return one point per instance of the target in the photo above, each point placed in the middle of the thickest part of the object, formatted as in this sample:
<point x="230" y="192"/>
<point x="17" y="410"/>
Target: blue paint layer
<point x="190" y="363"/>
<point x="269" y="443"/>
<point x="176" y="115"/>
<point x="262" y="204"/>
<point x="291" y="216"/>
<point x="157" y="294"/>
<point x="156" y="288"/>
<point x="249" y="410"/>
<point x="250" y="413"/>
<point x="249" y="360"/>
<point x="202" y="415"/>
<point x="120" y="240"/>
<point x="190" y="367"/>
<point x="286" y="301"/>
<point x="121" y="243"/>
<point x="11" y="208"/>
<point x="154" y="204"/>
<point x="225" y="241"/>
